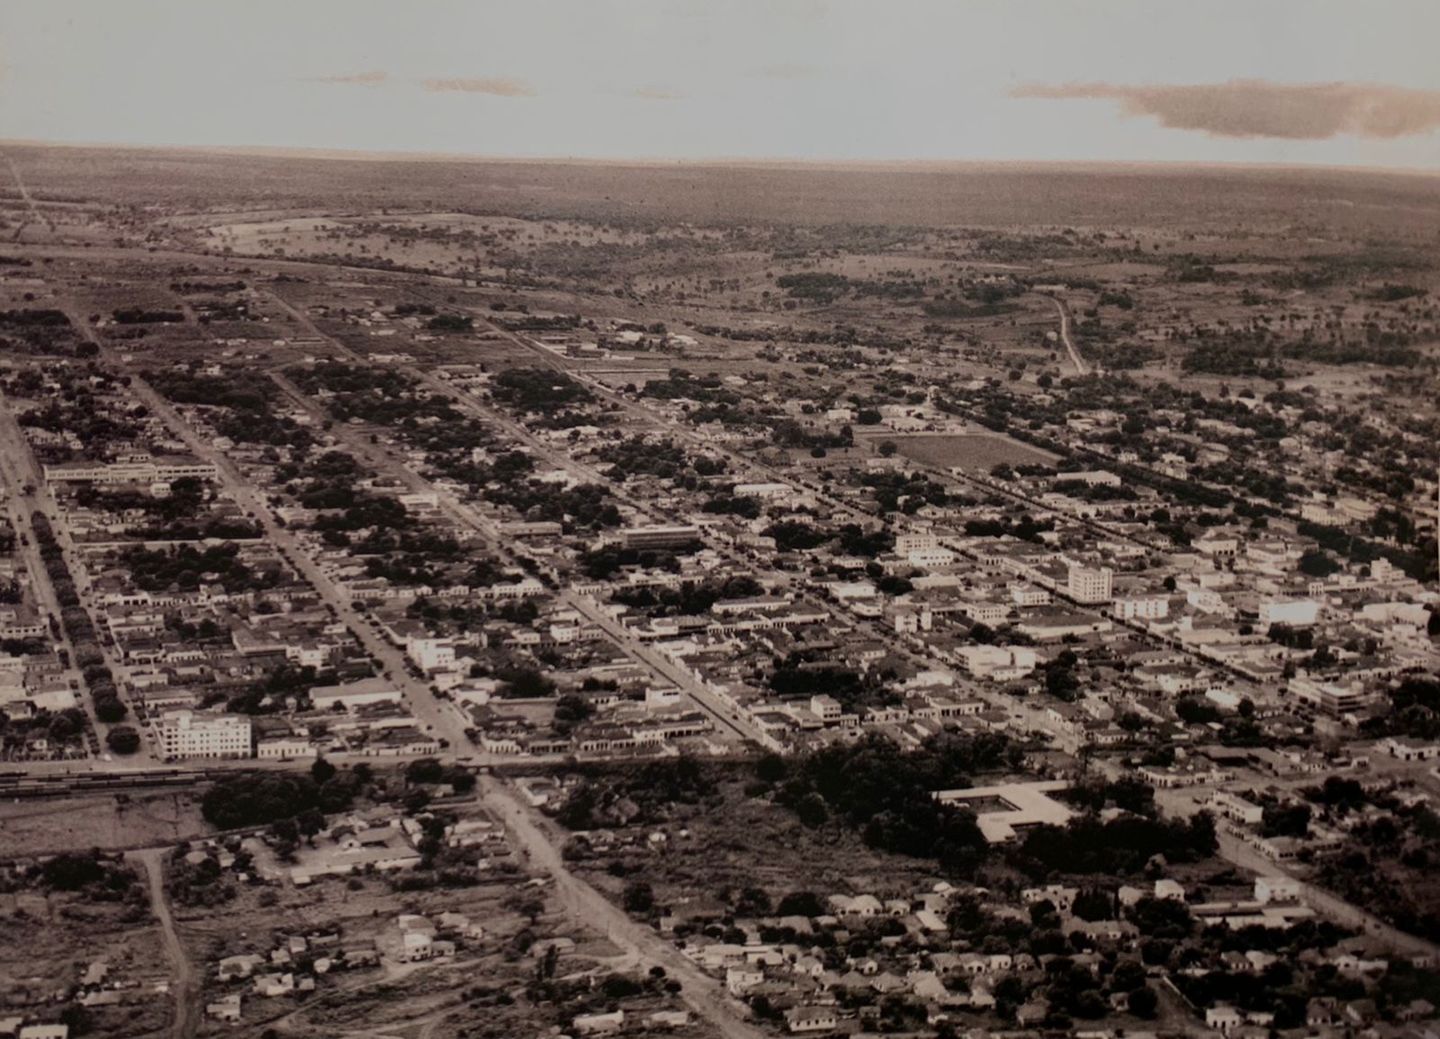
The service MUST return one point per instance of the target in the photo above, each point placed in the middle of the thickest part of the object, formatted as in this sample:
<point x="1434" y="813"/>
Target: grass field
<point x="143" y="820"/>
<point x="978" y="451"/>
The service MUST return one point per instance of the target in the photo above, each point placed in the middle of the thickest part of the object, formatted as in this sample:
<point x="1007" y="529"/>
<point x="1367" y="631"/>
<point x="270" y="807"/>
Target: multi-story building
<point x="659" y="536"/>
<point x="188" y="734"/>
<point x="131" y="469"/>
<point x="1331" y="698"/>
<point x="1141" y="607"/>
<point x="1090" y="584"/>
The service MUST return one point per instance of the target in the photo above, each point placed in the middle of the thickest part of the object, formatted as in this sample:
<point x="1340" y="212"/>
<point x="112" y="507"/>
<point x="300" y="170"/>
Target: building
<point x="1298" y="613"/>
<point x="187" y="734"/>
<point x="599" y="1024"/>
<point x="999" y="663"/>
<point x="1002" y="812"/>
<point x="1277" y="889"/>
<point x="131" y="469"/>
<point x="922" y="541"/>
<point x="282" y="748"/>
<point x="1141" y="607"/>
<point x="1090" y="584"/>
<point x="350" y="695"/>
<point x="44" y="1031"/>
<point x="1090" y="478"/>
<point x="811" y="1019"/>
<point x="659" y="536"/>
<point x="430" y="654"/>
<point x="1330" y="698"/>
<point x="1408" y="749"/>
<point x="1236" y="808"/>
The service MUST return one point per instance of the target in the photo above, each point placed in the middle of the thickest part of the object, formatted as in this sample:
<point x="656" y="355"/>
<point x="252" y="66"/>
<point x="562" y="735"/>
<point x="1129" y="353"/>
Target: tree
<point x="638" y="898"/>
<point x="1292" y="820"/>
<point x="753" y="901"/>
<point x="71" y="871"/>
<point x="1094" y="904"/>
<point x="66" y="726"/>
<point x="1144" y="1002"/>
<point x="811" y="810"/>
<point x="78" y="1019"/>
<point x="322" y="771"/>
<point x="771" y="768"/>
<point x="123" y="739"/>
<point x="887" y="448"/>
<point x="800" y="903"/>
<point x="310" y="822"/>
<point x="1316" y="562"/>
<point x="571" y="710"/>
<point x="425" y="770"/>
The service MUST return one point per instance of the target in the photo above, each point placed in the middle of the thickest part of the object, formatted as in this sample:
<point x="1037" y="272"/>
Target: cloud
<point x="1258" y="108"/>
<point x="788" y="71"/>
<point x="499" y="86"/>
<point x="656" y="94"/>
<point x="360" y="79"/>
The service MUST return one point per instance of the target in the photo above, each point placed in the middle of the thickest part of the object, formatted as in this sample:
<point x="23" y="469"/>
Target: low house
<point x="1223" y="1018"/>
<point x="226" y="1009"/>
<point x="1032" y="1013"/>
<point x="811" y="1019"/>
<point x="271" y="985"/>
<point x="232" y="967"/>
<point x="47" y="1031"/>
<point x="599" y="1024"/>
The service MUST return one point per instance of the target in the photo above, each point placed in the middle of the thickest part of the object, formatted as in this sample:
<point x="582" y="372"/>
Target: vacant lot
<point x="100" y="821"/>
<point x="978" y="451"/>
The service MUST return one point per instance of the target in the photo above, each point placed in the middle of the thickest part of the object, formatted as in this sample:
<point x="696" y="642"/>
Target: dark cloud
<point x="1257" y="108"/>
<point x="359" y="79"/>
<point x="499" y="86"/>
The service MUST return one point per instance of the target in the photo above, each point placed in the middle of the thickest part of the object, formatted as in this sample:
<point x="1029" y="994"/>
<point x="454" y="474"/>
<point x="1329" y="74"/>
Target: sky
<point x="1259" y="81"/>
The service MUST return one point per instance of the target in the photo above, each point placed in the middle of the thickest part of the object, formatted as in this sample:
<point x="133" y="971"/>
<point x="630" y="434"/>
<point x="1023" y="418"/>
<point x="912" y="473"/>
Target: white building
<point x="1141" y="607"/>
<point x="1300" y="613"/>
<point x="351" y="695"/>
<point x="131" y="469"/>
<point x="1001" y="663"/>
<point x="186" y="734"/>
<point x="925" y="558"/>
<point x="921" y="542"/>
<point x="1090" y="478"/>
<point x="430" y="655"/>
<point x="1090" y="584"/>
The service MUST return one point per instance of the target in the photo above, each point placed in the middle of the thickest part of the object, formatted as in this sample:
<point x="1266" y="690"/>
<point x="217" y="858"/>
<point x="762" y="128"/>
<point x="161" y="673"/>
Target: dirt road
<point x="186" y="989"/>
<point x="1079" y="362"/>
<point x="527" y="828"/>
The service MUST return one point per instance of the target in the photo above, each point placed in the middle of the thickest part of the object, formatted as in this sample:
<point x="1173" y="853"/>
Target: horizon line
<point x="406" y="155"/>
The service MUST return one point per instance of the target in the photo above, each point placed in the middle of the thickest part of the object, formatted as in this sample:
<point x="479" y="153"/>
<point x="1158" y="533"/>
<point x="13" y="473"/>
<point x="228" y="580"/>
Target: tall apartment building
<point x="1090" y="584"/>
<point x="186" y="734"/>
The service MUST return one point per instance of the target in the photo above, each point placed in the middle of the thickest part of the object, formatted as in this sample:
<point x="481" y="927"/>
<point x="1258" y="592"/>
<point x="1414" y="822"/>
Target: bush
<point x="638" y="898"/>
<point x="123" y="739"/>
<point x="259" y="799"/>
<point x="425" y="770"/>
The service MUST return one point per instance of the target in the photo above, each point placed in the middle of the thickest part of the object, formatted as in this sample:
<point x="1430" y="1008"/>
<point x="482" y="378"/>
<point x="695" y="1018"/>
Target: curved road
<point x="1079" y="362"/>
<point x="186" y="981"/>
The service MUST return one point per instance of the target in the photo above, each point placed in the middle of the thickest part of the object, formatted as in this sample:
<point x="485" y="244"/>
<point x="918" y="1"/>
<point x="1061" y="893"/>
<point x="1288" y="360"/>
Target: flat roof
<point x="1029" y="804"/>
